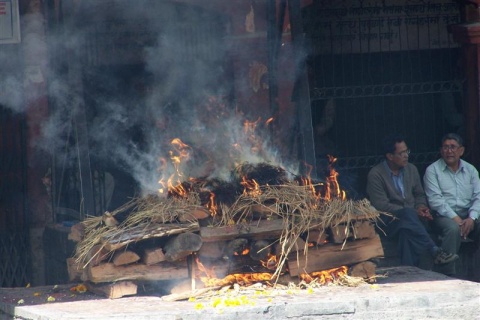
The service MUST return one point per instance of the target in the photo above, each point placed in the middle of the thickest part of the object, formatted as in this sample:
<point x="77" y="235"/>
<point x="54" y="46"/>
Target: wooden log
<point x="363" y="230"/>
<point x="113" y="290"/>
<point x="260" y="250"/>
<point x="317" y="236"/>
<point x="283" y="247"/>
<point x="198" y="213"/>
<point x="75" y="270"/>
<point x="260" y="211"/>
<point x="152" y="256"/>
<point x="97" y="254"/>
<point x="212" y="250"/>
<point x="365" y="270"/>
<point x="77" y="232"/>
<point x="124" y="257"/>
<point x="263" y="229"/>
<point x="182" y="245"/>
<point x="236" y="247"/>
<point x="115" y="240"/>
<point x="339" y="233"/>
<point x="335" y="255"/>
<point x="107" y="272"/>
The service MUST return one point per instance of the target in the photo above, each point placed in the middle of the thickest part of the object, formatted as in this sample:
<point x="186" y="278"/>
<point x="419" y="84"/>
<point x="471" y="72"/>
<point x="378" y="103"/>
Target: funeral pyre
<point x="261" y="226"/>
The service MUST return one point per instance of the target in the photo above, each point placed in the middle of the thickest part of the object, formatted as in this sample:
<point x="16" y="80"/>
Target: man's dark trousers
<point x="413" y="238"/>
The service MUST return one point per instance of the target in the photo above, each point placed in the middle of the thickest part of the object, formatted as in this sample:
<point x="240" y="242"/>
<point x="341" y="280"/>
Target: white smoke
<point x="182" y="94"/>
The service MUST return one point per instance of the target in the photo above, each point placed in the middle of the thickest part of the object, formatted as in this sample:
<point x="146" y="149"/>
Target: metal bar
<point x="386" y="90"/>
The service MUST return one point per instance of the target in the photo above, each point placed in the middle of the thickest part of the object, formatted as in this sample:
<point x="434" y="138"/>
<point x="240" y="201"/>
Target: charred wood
<point x="182" y="245"/>
<point x="236" y="247"/>
<point x="212" y="250"/>
<point x="260" y="250"/>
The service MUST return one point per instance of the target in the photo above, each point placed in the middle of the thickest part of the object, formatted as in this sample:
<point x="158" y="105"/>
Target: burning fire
<point x="333" y="187"/>
<point x="212" y="206"/>
<point x="180" y="153"/>
<point x="251" y="187"/>
<point x="330" y="189"/>
<point x="210" y="279"/>
<point x="271" y="263"/>
<point x="326" y="276"/>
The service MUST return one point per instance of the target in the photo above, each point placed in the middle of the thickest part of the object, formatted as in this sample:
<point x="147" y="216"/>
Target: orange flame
<point x="325" y="276"/>
<point x="271" y="263"/>
<point x="178" y="155"/>
<point x="330" y="189"/>
<point x="210" y="279"/>
<point x="251" y="187"/>
<point x="332" y="183"/>
<point x="243" y="253"/>
<point x="212" y="205"/>
<point x="244" y="279"/>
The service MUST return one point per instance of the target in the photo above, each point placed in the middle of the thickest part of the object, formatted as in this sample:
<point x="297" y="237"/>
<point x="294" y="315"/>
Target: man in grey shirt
<point x="452" y="186"/>
<point x="394" y="186"/>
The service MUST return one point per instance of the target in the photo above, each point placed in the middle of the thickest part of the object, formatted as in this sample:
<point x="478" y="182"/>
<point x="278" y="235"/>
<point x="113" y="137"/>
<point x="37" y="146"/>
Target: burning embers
<point x="260" y="226"/>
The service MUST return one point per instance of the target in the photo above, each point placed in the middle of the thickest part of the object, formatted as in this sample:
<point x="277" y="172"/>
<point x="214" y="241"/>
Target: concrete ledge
<point x="404" y="293"/>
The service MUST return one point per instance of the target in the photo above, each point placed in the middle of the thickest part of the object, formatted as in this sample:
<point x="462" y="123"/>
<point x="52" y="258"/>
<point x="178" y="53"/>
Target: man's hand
<point x="466" y="227"/>
<point x="424" y="212"/>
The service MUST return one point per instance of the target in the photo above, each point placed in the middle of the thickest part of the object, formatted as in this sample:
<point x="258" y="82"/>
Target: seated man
<point x="394" y="186"/>
<point x="452" y="186"/>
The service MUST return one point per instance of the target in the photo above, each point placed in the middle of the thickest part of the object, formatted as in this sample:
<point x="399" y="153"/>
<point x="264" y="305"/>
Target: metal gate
<point x="14" y="239"/>
<point x="380" y="68"/>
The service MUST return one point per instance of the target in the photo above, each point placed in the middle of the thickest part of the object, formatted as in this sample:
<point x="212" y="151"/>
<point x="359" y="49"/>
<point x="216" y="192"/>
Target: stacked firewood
<point x="161" y="252"/>
<point x="274" y="231"/>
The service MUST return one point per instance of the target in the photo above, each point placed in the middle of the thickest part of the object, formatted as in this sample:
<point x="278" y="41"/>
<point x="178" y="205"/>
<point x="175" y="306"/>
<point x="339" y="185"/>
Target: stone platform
<point x="400" y="293"/>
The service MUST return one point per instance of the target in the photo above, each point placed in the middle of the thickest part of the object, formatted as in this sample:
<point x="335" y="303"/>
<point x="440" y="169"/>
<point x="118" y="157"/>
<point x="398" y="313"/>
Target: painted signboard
<point x="9" y="22"/>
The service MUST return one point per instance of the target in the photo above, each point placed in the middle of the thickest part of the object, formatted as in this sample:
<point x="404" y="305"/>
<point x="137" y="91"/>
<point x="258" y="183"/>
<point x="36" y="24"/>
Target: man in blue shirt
<point x="452" y="186"/>
<point x="394" y="186"/>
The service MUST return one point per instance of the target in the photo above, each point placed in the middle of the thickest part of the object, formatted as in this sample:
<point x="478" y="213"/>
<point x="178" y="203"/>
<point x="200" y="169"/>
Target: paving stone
<point x="402" y="293"/>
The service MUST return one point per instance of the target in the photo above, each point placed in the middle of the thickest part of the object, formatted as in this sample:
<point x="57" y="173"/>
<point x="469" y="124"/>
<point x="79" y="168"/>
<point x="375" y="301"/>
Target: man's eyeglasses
<point x="403" y="153"/>
<point x="450" y="148"/>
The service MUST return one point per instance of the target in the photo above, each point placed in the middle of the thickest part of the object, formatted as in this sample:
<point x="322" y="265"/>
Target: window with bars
<point x="379" y="68"/>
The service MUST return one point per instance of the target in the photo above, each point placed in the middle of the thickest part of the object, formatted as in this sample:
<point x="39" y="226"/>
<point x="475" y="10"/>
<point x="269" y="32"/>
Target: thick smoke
<point x="134" y="111"/>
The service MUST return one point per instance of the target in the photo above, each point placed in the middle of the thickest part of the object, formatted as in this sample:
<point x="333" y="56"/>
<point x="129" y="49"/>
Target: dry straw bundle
<point x="299" y="207"/>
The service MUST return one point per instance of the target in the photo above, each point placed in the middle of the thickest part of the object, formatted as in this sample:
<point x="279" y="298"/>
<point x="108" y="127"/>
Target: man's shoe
<point x="442" y="257"/>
